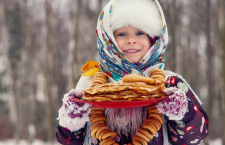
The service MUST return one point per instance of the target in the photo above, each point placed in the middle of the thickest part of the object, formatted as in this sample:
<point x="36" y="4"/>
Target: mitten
<point x="175" y="106"/>
<point x="73" y="115"/>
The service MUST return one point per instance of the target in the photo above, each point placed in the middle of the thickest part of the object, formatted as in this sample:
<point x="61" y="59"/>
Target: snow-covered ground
<point x="23" y="142"/>
<point x="38" y="142"/>
<point x="215" y="142"/>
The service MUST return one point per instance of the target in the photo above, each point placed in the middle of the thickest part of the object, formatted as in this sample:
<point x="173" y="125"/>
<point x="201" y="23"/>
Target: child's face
<point x="134" y="43"/>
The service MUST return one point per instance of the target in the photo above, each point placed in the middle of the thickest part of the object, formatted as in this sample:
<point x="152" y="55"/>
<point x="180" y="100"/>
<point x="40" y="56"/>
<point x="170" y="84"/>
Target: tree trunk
<point x="27" y="65"/>
<point x="223" y="72"/>
<point x="210" y="68"/>
<point x="173" y="14"/>
<point x="223" y="100"/>
<point x="48" y="70"/>
<point x="76" y="39"/>
<point x="100" y="4"/>
<point x="5" y="46"/>
<point x="14" y="27"/>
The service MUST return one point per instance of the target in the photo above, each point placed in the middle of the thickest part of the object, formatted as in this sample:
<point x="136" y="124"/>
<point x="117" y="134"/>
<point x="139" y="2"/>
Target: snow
<point x="23" y="142"/>
<point x="217" y="141"/>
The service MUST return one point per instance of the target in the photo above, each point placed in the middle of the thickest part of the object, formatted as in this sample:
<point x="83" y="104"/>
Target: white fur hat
<point x="141" y="14"/>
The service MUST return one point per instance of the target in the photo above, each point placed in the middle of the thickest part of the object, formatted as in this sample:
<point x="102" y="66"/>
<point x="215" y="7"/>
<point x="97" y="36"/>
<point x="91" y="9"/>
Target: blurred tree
<point x="222" y="38"/>
<point x="100" y="4"/>
<point x="75" y="61"/>
<point x="37" y="106"/>
<point x="174" y="25"/>
<point x="14" y="25"/>
<point x="171" y="9"/>
<point x="223" y="99"/>
<point x="88" y="41"/>
<point x="210" y="67"/>
<point x="48" y="69"/>
<point x="3" y="50"/>
<point x="7" y="108"/>
<point x="6" y="131"/>
<point x="26" y="69"/>
<point x="61" y="77"/>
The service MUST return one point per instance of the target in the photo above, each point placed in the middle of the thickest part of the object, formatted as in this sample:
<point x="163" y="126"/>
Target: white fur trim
<point x="141" y="14"/>
<point x="84" y="82"/>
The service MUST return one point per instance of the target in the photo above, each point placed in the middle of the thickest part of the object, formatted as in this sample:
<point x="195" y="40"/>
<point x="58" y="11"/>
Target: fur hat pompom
<point x="140" y="14"/>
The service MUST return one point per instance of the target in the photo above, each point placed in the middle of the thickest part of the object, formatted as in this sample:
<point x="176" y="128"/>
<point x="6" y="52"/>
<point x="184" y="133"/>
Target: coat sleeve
<point x="193" y="128"/>
<point x="66" y="137"/>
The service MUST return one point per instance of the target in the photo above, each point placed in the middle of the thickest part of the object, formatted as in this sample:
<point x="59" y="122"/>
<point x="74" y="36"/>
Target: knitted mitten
<point x="175" y="106"/>
<point x="73" y="115"/>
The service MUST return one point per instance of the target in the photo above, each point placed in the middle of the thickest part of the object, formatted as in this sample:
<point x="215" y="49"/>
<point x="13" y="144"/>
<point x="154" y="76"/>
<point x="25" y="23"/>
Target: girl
<point x="132" y="38"/>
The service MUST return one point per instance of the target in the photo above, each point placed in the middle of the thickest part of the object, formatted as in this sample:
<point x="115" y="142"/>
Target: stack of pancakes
<point x="132" y="87"/>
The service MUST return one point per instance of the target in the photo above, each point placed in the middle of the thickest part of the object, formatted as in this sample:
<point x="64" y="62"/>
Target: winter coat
<point x="192" y="129"/>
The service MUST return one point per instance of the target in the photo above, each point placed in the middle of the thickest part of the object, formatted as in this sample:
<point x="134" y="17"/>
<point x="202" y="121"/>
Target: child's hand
<point x="73" y="115"/>
<point x="175" y="106"/>
<point x="76" y="93"/>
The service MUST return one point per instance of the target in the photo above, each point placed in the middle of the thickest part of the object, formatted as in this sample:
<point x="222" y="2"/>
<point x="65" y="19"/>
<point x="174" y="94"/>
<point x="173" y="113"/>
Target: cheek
<point x="149" y="43"/>
<point x="120" y="44"/>
<point x="146" y="44"/>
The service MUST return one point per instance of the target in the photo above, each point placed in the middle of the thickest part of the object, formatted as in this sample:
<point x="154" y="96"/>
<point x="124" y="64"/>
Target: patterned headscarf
<point x="113" y="62"/>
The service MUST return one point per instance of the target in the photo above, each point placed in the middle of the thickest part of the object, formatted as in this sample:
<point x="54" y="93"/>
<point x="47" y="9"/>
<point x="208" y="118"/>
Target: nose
<point x="131" y="41"/>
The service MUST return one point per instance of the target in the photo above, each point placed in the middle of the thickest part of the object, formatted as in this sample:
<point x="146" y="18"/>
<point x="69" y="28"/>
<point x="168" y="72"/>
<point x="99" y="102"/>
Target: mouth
<point x="131" y="51"/>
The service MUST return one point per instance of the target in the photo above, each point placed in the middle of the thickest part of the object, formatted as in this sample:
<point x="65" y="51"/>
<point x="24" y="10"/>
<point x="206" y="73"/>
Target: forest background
<point x="44" y="43"/>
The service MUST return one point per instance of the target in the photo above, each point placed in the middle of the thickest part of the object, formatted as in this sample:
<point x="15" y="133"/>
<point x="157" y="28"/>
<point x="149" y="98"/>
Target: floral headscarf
<point x="113" y="62"/>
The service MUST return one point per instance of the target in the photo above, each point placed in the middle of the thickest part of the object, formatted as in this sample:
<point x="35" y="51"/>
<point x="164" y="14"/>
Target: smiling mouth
<point x="131" y="51"/>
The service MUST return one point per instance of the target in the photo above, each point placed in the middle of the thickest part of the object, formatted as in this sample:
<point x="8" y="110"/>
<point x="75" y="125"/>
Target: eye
<point x="121" y="34"/>
<point x="140" y="33"/>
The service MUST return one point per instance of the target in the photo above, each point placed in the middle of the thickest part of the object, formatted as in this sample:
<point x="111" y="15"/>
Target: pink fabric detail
<point x="175" y="106"/>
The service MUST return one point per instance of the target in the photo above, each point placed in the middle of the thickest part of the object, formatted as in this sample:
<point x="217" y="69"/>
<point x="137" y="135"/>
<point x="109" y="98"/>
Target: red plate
<point x="121" y="104"/>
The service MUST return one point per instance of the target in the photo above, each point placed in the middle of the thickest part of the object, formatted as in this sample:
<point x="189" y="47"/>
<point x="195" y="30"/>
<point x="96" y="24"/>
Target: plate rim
<point x="136" y="103"/>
